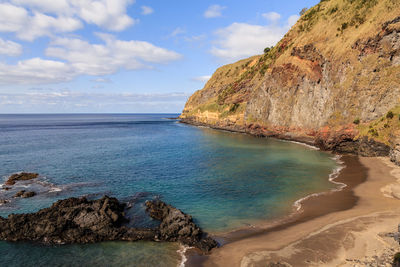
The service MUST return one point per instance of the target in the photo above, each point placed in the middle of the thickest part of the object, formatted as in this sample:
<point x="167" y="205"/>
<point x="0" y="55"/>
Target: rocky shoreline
<point x="339" y="142"/>
<point x="79" y="220"/>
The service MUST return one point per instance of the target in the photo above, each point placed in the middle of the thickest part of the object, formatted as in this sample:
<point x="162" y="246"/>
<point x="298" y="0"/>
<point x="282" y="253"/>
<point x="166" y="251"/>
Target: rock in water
<point x="178" y="226"/>
<point x="23" y="176"/>
<point x="25" y="194"/>
<point x="78" y="220"/>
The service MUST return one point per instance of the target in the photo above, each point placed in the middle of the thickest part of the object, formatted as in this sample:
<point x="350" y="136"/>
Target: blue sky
<point x="123" y="55"/>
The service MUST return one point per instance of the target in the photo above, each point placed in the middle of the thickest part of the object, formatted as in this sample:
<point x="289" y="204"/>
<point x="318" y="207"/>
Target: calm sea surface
<point x="224" y="180"/>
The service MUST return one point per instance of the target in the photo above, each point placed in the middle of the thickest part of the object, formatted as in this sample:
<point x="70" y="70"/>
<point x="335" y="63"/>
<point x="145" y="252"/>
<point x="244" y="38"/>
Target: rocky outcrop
<point x="178" y="226"/>
<point x="395" y="151"/>
<point x="22" y="176"/>
<point x="78" y="220"/>
<point x="330" y="81"/>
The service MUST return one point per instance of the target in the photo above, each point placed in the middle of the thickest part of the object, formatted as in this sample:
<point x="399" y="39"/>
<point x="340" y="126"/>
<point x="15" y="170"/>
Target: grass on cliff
<point x="381" y="129"/>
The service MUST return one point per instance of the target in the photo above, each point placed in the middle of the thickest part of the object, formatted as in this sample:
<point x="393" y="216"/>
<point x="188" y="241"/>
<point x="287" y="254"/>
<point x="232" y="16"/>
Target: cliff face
<point x="333" y="80"/>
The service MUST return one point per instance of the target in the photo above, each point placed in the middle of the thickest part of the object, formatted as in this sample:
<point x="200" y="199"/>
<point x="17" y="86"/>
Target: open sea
<point x="224" y="180"/>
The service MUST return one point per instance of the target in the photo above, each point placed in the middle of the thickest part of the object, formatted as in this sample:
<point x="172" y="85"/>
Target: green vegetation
<point x="373" y="132"/>
<point x="356" y="121"/>
<point x="396" y="259"/>
<point x="309" y="18"/>
<point x="383" y="127"/>
<point x="225" y="93"/>
<point x="332" y="10"/>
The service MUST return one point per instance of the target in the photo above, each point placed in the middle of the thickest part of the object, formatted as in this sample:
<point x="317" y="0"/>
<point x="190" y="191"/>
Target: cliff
<point x="333" y="81"/>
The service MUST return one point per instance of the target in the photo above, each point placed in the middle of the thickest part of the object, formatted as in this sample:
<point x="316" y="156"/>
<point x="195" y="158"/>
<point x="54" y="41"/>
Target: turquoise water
<point x="224" y="180"/>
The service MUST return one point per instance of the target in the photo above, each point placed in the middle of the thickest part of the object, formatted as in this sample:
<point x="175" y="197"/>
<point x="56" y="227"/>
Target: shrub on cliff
<point x="390" y="115"/>
<point x="356" y="121"/>
<point x="396" y="259"/>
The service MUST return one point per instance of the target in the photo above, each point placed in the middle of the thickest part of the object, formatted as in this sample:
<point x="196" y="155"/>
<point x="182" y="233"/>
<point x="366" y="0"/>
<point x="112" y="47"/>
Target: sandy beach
<point x="351" y="227"/>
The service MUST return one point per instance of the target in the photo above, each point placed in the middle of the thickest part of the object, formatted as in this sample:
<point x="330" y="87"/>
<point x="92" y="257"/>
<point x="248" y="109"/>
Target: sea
<point x="225" y="180"/>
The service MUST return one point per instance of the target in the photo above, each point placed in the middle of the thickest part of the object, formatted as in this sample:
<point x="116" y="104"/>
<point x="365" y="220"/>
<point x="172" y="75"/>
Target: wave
<point x="335" y="174"/>
<point x="300" y="143"/>
<point x="182" y="252"/>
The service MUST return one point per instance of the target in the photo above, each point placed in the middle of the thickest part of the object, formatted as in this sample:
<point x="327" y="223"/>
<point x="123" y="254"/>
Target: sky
<point x="127" y="56"/>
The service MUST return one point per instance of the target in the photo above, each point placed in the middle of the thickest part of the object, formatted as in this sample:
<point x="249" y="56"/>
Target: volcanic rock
<point x="78" y="220"/>
<point x="23" y="176"/>
<point x="178" y="226"/>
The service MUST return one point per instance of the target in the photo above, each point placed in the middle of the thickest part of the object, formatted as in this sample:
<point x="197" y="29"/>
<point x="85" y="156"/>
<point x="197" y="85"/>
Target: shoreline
<point x="304" y="209"/>
<point x="362" y="202"/>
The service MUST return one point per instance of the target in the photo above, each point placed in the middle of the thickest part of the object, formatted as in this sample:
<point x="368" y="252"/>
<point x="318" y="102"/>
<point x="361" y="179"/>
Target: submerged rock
<point x="23" y="176"/>
<point x="78" y="220"/>
<point x="25" y="194"/>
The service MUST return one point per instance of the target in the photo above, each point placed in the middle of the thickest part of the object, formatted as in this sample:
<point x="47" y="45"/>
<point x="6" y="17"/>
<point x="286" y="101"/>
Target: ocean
<point x="224" y="180"/>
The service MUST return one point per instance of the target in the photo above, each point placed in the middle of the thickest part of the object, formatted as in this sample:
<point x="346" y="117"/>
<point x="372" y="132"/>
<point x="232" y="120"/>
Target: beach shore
<point x="351" y="227"/>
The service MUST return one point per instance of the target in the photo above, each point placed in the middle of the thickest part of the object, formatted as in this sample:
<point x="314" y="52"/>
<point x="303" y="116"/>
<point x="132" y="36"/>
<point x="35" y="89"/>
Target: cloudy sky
<point x="128" y="56"/>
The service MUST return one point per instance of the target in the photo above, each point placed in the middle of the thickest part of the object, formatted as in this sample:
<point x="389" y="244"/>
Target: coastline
<point x="338" y="228"/>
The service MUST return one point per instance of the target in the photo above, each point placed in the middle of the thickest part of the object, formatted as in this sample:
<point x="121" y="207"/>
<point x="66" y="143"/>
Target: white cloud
<point x="102" y="80"/>
<point x="83" y="58"/>
<point x="195" y="38"/>
<point x="41" y="25"/>
<point x="240" y="40"/>
<point x="292" y="20"/>
<point x="51" y="6"/>
<point x="204" y="78"/>
<point x="52" y="100"/>
<point x="101" y="59"/>
<point x="273" y="17"/>
<point x="34" y="71"/>
<point x="177" y="31"/>
<point x="109" y="14"/>
<point x="12" y="18"/>
<point x="10" y="48"/>
<point x="31" y="19"/>
<point x="214" y="11"/>
<point x="146" y="10"/>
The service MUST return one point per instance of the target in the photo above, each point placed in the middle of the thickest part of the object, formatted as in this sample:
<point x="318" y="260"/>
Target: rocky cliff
<point x="333" y="81"/>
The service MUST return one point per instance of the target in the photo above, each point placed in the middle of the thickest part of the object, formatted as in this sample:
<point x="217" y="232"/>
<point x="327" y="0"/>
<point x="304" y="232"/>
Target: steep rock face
<point x="339" y="64"/>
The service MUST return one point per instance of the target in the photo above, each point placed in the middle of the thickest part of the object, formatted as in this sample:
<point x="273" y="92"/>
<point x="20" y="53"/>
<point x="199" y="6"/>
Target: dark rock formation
<point x="23" y="176"/>
<point x="25" y="194"/>
<point x="78" y="220"/>
<point x="178" y="226"/>
<point x="364" y="147"/>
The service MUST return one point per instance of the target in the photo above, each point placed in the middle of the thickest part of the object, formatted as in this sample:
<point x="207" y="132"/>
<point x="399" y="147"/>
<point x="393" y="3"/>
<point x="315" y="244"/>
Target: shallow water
<point x="224" y="180"/>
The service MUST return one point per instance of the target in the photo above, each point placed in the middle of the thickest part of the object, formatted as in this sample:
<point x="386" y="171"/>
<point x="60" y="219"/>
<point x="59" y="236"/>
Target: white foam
<point x="300" y="143"/>
<point x="182" y="251"/>
<point x="335" y="174"/>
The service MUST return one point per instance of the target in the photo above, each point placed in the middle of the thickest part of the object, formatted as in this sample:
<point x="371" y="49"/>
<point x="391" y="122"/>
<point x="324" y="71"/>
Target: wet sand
<point x="334" y="229"/>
